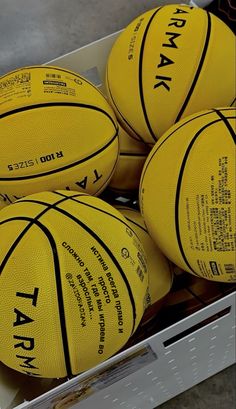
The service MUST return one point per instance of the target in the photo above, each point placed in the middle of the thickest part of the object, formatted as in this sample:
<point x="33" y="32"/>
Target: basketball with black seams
<point x="57" y="132"/>
<point x="188" y="194"/>
<point x="168" y="63"/>
<point x="73" y="282"/>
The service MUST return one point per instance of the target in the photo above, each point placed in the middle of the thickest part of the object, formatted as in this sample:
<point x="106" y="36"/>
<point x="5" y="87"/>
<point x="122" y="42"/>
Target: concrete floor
<point x="36" y="31"/>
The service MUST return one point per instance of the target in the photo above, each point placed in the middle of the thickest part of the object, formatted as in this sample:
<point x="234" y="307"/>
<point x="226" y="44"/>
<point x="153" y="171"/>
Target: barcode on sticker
<point x="230" y="268"/>
<point x="52" y="75"/>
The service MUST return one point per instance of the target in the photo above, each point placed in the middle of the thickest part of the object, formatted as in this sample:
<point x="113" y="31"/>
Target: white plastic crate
<point x="155" y="370"/>
<point x="161" y="366"/>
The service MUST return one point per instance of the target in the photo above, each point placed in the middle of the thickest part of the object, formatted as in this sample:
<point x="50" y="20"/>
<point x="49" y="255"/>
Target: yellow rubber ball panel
<point x="57" y="132"/>
<point x="168" y="63"/>
<point x="187" y="194"/>
<point x="73" y="283"/>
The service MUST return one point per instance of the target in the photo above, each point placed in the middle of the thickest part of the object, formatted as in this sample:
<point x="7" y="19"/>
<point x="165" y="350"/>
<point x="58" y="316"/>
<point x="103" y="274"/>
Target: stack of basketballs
<point x="77" y="273"/>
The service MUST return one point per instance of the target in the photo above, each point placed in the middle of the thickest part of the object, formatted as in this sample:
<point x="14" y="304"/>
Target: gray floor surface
<point x="36" y="31"/>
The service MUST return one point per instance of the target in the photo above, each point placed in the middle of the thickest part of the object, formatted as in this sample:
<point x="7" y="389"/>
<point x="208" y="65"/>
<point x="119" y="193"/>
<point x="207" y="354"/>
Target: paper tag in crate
<point x="101" y="379"/>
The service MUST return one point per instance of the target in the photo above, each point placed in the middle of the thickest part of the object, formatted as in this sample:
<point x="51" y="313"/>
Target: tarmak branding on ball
<point x="164" y="60"/>
<point x="26" y="343"/>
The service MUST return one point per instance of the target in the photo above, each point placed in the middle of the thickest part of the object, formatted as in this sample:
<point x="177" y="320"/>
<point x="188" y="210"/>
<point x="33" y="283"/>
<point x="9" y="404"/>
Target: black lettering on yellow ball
<point x="33" y="296"/>
<point x="178" y="22"/>
<point x="163" y="81"/>
<point x="181" y="11"/>
<point x="97" y="176"/>
<point x="83" y="182"/>
<point x="171" y="39"/>
<point x="27" y="361"/>
<point x="164" y="60"/>
<point x="26" y="343"/>
<point x="21" y="318"/>
<point x="21" y="342"/>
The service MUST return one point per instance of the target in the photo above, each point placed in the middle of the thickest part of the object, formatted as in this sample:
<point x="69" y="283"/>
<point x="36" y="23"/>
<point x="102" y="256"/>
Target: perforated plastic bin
<point x="168" y="362"/>
<point x="157" y="369"/>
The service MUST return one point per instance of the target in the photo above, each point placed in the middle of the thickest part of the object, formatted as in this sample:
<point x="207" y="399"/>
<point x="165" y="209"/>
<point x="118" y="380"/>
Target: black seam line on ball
<point x="58" y="104"/>
<point x="112" y="257"/>
<point x="122" y="116"/>
<point x="232" y="103"/>
<point x="166" y="139"/>
<point x="179" y="127"/>
<point x="140" y="75"/>
<point x="53" y="171"/>
<point x="58" y="285"/>
<point x="178" y="189"/>
<point x="136" y="224"/>
<point x="227" y="124"/>
<point x="131" y="220"/>
<point x="2" y="265"/>
<point x="198" y="71"/>
<point x="99" y="210"/>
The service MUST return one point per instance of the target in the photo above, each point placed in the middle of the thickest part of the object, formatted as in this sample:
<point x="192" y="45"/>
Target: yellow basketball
<point x="188" y="194"/>
<point x="159" y="268"/>
<point x="130" y="164"/>
<point x="57" y="132"/>
<point x="168" y="63"/>
<point x="73" y="283"/>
